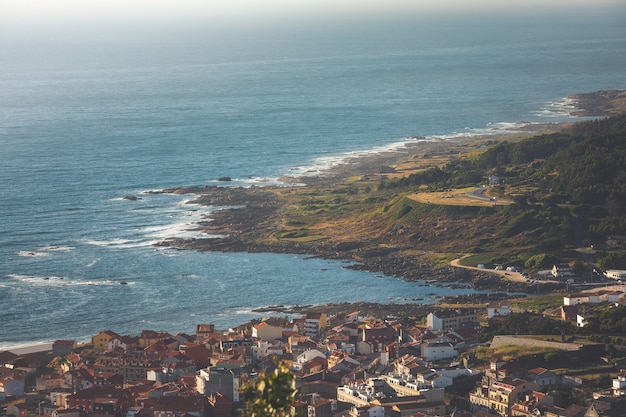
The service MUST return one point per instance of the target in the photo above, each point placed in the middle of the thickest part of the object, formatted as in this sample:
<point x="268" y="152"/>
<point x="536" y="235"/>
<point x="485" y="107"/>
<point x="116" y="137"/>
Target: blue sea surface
<point x="82" y="125"/>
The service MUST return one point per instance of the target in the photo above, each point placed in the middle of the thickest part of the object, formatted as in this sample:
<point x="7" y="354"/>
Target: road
<point x="506" y="275"/>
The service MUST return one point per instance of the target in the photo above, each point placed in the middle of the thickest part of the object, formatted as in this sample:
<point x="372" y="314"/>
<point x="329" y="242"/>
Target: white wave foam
<point x="32" y="254"/>
<point x="323" y="164"/>
<point x="561" y="108"/>
<point x="55" y="248"/>
<point x="117" y="242"/>
<point x="53" y="280"/>
<point x="92" y="263"/>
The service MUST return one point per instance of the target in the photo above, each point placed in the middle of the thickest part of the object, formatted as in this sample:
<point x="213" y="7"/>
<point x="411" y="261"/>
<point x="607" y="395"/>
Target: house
<point x="101" y="340"/>
<point x="619" y="386"/>
<point x="609" y="296"/>
<point x="451" y="319"/>
<point x="575" y="299"/>
<point x="498" y="308"/>
<point x="212" y="380"/>
<point x="309" y="355"/>
<point x="198" y="354"/>
<point x="616" y="274"/>
<point x="314" y="323"/>
<point x="124" y="344"/>
<point x="11" y="386"/>
<point x="101" y="400"/>
<point x="7" y="358"/>
<point x="266" y="331"/>
<point x="149" y="337"/>
<point x="79" y="378"/>
<point x="500" y="395"/>
<point x="180" y="405"/>
<point x="378" y="338"/>
<point x="131" y="368"/>
<point x="529" y="405"/>
<point x="66" y="412"/>
<point x="204" y="332"/>
<point x="435" y="351"/>
<point x="409" y="406"/>
<point x="49" y="382"/>
<point x="220" y="405"/>
<point x="543" y="377"/>
<point x="569" y="312"/>
<point x="63" y="347"/>
<point x="562" y="271"/>
<point x="108" y="379"/>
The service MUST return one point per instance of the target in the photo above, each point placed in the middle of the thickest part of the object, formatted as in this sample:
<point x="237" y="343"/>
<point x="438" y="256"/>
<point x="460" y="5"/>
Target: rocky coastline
<point x="252" y="214"/>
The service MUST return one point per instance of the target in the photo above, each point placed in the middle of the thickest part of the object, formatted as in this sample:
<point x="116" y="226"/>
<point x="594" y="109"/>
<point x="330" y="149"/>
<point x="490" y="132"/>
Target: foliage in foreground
<point x="272" y="396"/>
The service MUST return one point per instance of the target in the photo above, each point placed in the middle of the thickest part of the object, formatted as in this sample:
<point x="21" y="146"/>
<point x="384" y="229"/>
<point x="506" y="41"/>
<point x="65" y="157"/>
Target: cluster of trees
<point x="614" y="260"/>
<point x="584" y="166"/>
<point x="608" y="321"/>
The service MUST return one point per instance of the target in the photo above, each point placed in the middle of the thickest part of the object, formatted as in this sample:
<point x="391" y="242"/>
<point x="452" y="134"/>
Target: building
<point x="213" y="380"/>
<point x="204" y="332"/>
<point x="130" y="368"/>
<point x="102" y="339"/>
<point x="500" y="395"/>
<point x="220" y="405"/>
<point x="498" y="308"/>
<point x="619" y="386"/>
<point x="434" y="351"/>
<point x="150" y="337"/>
<point x="562" y="271"/>
<point x="180" y="405"/>
<point x="266" y="331"/>
<point x="575" y="299"/>
<point x="616" y="274"/>
<point x="314" y="323"/>
<point x="101" y="400"/>
<point x="451" y="319"/>
<point x="63" y="347"/>
<point x="543" y="377"/>
<point x="11" y="386"/>
<point x="569" y="312"/>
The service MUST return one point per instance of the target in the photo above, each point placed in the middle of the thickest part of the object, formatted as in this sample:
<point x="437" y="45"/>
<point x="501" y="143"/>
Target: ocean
<point x="84" y="124"/>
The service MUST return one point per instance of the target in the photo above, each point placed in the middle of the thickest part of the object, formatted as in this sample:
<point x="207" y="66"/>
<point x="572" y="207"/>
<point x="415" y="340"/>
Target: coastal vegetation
<point x="554" y="192"/>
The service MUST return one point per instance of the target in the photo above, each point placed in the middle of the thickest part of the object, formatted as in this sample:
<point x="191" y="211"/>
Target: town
<point x="504" y="358"/>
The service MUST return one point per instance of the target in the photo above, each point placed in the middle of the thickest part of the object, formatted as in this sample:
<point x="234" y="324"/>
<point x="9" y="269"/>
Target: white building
<point x="617" y="274"/>
<point x="562" y="270"/>
<point x="436" y="351"/>
<point x="498" y="308"/>
<point x="619" y="386"/>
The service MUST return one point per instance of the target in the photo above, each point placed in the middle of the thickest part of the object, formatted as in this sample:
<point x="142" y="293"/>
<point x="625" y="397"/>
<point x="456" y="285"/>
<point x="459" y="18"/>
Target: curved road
<point x="506" y="275"/>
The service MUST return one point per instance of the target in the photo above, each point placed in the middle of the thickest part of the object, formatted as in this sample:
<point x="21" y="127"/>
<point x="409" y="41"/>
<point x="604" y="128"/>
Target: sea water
<point x="82" y="125"/>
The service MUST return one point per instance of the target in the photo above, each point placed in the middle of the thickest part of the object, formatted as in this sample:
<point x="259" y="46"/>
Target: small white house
<point x="498" y="308"/>
<point x="575" y="299"/>
<point x="562" y="270"/>
<point x="436" y="351"/>
<point x="619" y="386"/>
<point x="616" y="274"/>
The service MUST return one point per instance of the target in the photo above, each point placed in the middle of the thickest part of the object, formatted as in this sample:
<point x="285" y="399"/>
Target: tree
<point x="272" y="396"/>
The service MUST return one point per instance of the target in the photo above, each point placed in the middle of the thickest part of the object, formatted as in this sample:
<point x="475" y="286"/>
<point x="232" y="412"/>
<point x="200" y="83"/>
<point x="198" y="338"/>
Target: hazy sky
<point x="42" y="19"/>
<point x="25" y="11"/>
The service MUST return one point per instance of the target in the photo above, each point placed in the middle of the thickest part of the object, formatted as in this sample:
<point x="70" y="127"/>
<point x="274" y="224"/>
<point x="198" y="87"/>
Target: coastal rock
<point x="225" y="179"/>
<point x="131" y="197"/>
